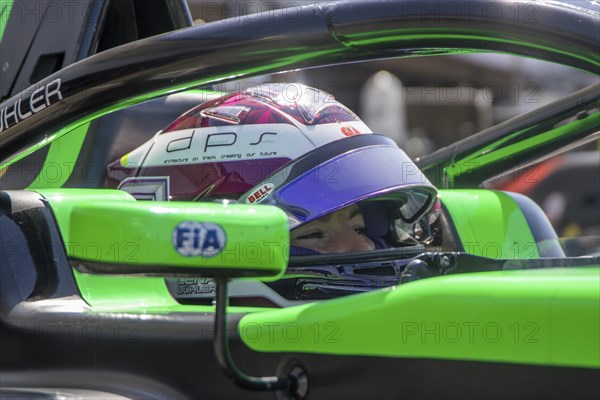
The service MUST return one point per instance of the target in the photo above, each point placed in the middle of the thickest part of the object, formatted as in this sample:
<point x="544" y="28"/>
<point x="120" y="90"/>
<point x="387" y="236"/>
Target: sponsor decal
<point x="195" y="239"/>
<point x="261" y="138"/>
<point x="219" y="144"/>
<point x="176" y="160"/>
<point x="193" y="287"/>
<point x="230" y="156"/>
<point x="260" y="193"/>
<point x="350" y="131"/>
<point x="180" y="144"/>
<point x="39" y="99"/>
<point x="220" y="139"/>
<point x="230" y="138"/>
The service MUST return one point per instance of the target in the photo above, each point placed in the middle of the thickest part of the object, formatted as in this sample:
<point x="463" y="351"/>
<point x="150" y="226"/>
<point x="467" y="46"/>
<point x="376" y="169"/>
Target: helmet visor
<point x="380" y="170"/>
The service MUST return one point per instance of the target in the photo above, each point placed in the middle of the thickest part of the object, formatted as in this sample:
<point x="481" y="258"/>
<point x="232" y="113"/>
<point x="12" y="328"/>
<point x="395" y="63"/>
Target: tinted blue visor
<point x="363" y="169"/>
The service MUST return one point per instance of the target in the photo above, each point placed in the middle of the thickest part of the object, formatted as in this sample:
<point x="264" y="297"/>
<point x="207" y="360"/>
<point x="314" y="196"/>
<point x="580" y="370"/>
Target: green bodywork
<point x="61" y="159"/>
<point x="141" y="237"/>
<point x="541" y="317"/>
<point x="490" y="224"/>
<point x="106" y="291"/>
<point x="479" y="207"/>
<point x="546" y="317"/>
<point x="96" y="235"/>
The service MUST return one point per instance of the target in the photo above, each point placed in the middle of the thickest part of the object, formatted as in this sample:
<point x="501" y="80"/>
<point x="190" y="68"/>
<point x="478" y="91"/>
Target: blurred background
<point x="466" y="93"/>
<point x="423" y="103"/>
<point x="427" y="103"/>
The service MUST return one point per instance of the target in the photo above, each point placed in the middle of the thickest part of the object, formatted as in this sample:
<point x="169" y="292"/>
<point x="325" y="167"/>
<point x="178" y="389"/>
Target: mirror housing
<point x="213" y="240"/>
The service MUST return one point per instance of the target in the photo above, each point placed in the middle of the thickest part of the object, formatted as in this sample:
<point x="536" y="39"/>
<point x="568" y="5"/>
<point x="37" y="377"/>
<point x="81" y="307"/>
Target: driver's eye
<point x="360" y="231"/>
<point x="313" y="235"/>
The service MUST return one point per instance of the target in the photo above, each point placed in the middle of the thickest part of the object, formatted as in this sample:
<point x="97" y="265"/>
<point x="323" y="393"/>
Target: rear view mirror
<point x="172" y="239"/>
<point x="213" y="240"/>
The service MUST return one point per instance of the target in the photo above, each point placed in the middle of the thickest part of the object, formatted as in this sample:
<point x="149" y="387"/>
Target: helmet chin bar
<point x="325" y="282"/>
<point x="325" y="276"/>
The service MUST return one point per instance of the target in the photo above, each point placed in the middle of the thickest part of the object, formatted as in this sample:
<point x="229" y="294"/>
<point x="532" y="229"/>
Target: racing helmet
<point x="297" y="148"/>
<point x="224" y="147"/>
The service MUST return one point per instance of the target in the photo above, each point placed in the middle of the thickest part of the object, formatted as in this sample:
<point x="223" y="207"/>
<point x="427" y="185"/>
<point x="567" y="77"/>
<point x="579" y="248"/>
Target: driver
<point x="344" y="189"/>
<point x="342" y="231"/>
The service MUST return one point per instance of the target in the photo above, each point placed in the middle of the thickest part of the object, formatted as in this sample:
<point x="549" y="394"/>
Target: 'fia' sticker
<point x="193" y="239"/>
<point x="260" y="193"/>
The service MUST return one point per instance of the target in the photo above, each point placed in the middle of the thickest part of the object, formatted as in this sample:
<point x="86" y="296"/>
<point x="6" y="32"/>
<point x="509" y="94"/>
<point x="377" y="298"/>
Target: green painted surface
<point x="5" y="9"/>
<point x="61" y="159"/>
<point x="110" y="226"/>
<point x="490" y="224"/>
<point x="102" y="292"/>
<point x="545" y="317"/>
<point x="136" y="295"/>
<point x="142" y="235"/>
<point x="542" y="317"/>
<point x="108" y="293"/>
<point x="62" y="202"/>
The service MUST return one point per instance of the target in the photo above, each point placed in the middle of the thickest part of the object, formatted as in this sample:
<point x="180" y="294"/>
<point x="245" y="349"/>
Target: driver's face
<point x="339" y="232"/>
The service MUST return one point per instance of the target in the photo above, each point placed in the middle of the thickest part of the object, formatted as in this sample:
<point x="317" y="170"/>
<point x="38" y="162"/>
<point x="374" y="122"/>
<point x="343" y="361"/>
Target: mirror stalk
<point x="223" y="354"/>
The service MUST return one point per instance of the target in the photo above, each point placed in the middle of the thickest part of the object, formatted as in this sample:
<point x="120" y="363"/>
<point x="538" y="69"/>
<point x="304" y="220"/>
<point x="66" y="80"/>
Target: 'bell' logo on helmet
<point x="192" y="239"/>
<point x="350" y="131"/>
<point x="260" y="193"/>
